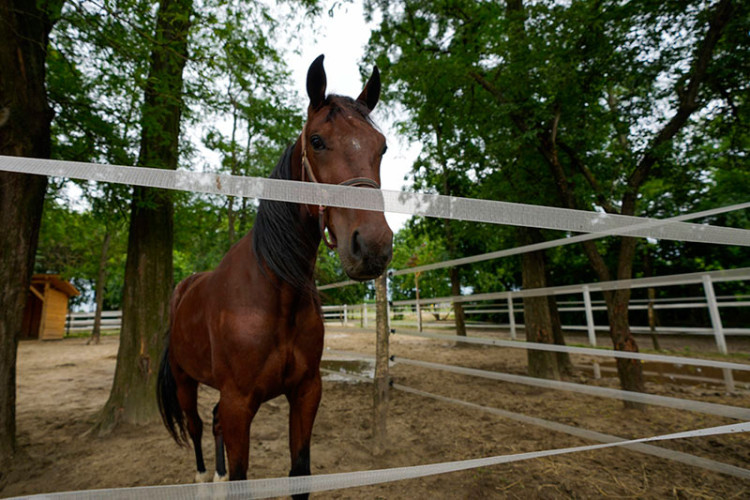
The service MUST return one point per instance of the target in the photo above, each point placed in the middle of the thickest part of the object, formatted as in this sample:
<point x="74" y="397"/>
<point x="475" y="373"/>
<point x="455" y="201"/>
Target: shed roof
<point x="56" y="283"/>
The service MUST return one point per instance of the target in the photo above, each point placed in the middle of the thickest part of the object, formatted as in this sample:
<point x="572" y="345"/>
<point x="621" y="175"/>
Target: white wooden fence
<point x="83" y="321"/>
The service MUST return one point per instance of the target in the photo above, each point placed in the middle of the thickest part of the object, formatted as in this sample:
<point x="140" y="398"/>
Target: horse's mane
<point x="280" y="240"/>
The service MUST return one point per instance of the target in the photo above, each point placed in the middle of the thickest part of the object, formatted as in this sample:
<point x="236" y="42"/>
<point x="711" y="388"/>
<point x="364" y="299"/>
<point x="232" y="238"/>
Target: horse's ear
<point x="316" y="82"/>
<point x="371" y="93"/>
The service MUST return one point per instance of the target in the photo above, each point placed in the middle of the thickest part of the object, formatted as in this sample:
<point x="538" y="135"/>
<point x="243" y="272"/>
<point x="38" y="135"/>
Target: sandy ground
<point x="62" y="384"/>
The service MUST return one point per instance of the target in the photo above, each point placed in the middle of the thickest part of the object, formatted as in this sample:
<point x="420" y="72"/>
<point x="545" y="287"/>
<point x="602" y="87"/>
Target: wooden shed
<point x="47" y="307"/>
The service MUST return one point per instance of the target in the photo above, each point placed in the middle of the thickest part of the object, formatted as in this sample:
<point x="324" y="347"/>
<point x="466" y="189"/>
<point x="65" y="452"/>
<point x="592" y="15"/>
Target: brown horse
<point x="253" y="327"/>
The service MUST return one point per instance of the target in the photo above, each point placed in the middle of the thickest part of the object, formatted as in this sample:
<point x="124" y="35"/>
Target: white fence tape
<point x="430" y="205"/>
<point x="636" y="397"/>
<point x="677" y="456"/>
<point x="515" y="344"/>
<point x="267" y="488"/>
<point x="563" y="241"/>
<point x="647" y="449"/>
<point x="543" y="245"/>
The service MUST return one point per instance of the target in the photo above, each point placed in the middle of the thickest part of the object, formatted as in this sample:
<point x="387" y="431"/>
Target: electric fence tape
<point x="265" y="488"/>
<point x="536" y="346"/>
<point x="720" y="410"/>
<point x="669" y="454"/>
<point x="430" y="205"/>
<point x="545" y="245"/>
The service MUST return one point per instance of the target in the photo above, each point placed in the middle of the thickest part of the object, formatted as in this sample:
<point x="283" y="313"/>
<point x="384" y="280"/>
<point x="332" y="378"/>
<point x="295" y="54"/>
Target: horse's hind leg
<point x="221" y="467"/>
<point x="303" y="406"/>
<point x="187" y="395"/>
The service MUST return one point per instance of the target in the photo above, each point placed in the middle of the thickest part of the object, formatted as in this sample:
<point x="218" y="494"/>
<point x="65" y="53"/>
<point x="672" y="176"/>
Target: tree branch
<point x="601" y="199"/>
<point x="688" y="102"/>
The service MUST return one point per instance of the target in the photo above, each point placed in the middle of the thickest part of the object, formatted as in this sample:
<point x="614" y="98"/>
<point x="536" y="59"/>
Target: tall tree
<point x="25" y="117"/>
<point x="443" y="100"/>
<point x="149" y="271"/>
<point x="588" y="96"/>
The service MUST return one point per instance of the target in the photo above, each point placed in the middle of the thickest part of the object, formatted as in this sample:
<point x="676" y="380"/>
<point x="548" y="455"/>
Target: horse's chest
<point x="283" y="356"/>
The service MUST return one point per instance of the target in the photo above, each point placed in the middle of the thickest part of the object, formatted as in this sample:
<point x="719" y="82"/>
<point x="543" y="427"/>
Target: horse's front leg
<point x="235" y="416"/>
<point x="221" y="468"/>
<point x="303" y="406"/>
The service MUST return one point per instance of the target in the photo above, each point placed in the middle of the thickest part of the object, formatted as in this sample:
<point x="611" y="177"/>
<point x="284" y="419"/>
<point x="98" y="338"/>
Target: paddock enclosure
<point x="57" y="455"/>
<point x="449" y="401"/>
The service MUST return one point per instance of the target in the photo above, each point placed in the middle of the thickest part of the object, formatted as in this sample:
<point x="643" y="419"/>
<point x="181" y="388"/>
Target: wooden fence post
<point x="380" y="395"/>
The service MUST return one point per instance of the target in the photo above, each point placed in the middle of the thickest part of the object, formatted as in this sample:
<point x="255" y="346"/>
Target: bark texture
<point x="101" y="275"/>
<point x="537" y="315"/>
<point x="148" y="270"/>
<point x="25" y="118"/>
<point x="458" y="307"/>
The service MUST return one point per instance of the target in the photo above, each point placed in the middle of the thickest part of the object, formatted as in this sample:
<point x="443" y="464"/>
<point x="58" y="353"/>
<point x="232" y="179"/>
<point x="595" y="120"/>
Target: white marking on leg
<point x="202" y="477"/>
<point x="219" y="479"/>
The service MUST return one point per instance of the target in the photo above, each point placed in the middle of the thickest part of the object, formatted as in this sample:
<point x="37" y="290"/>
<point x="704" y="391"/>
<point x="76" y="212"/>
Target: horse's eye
<point x="385" y="148"/>
<point x="317" y="143"/>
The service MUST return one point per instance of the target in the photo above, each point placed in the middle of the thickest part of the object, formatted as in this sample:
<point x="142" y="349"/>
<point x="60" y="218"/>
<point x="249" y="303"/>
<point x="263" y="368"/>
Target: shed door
<point x="32" y="317"/>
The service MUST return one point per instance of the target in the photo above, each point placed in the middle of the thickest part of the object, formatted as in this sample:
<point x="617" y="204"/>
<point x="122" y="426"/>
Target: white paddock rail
<point x="706" y="279"/>
<point x="739" y="274"/>
<point x="665" y="453"/>
<point x="430" y="205"/>
<point x="82" y="321"/>
<point x="544" y="245"/>
<point x="287" y="486"/>
<point x="607" y="353"/>
<point x="656" y="451"/>
<point x="735" y="412"/>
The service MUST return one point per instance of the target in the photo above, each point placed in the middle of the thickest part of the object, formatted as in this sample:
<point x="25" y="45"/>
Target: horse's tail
<point x="169" y="405"/>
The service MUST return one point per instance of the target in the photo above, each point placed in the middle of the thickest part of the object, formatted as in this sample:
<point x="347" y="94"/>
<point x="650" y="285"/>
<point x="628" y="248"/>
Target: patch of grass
<point x="83" y="334"/>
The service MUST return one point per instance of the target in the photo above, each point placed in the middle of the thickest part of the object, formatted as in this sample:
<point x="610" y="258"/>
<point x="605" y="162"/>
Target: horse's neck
<point x="310" y="223"/>
<point x="290" y="243"/>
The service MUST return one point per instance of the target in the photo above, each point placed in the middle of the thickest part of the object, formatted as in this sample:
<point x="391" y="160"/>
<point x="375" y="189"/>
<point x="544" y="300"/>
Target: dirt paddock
<point x="62" y="384"/>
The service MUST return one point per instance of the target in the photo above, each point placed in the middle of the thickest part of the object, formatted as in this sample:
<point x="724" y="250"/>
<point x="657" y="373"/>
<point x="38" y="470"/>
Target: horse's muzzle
<point x="366" y="256"/>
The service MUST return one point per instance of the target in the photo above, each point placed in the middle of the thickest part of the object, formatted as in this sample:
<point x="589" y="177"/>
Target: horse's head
<point x="340" y="145"/>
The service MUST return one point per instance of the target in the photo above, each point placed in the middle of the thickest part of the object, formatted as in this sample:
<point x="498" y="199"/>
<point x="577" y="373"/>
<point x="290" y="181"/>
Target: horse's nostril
<point x="356" y="246"/>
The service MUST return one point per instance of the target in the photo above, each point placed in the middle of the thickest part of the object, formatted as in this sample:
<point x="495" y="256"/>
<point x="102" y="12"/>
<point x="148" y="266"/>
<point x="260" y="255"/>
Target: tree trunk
<point x="563" y="358"/>
<point x="101" y="274"/>
<point x="25" y="118"/>
<point x="630" y="371"/>
<point x="537" y="317"/>
<point x="458" y="308"/>
<point x="231" y="233"/>
<point x="234" y="170"/>
<point x="148" y="269"/>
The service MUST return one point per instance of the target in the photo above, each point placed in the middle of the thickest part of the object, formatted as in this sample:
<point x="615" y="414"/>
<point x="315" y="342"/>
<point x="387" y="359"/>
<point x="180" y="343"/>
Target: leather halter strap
<point x="307" y="168"/>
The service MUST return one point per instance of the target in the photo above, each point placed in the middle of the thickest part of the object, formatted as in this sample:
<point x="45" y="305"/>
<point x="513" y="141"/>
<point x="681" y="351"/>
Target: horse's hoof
<point x="219" y="479"/>
<point x="202" y="477"/>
